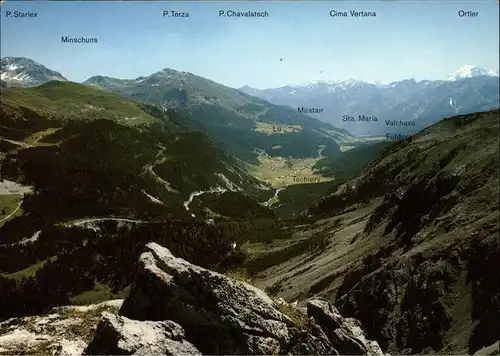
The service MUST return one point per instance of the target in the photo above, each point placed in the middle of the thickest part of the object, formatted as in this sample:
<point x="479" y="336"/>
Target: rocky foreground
<point x="175" y="307"/>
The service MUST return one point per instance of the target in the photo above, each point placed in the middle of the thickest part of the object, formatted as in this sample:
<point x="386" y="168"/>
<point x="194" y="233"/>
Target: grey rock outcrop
<point x="179" y="308"/>
<point x="118" y="335"/>
<point x="345" y="334"/>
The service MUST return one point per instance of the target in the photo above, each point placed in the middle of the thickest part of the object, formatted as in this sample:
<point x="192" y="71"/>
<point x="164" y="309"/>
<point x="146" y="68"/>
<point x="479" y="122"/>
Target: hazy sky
<point x="421" y="39"/>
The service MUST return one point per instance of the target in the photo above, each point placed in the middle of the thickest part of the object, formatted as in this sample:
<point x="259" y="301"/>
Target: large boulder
<point x="220" y="315"/>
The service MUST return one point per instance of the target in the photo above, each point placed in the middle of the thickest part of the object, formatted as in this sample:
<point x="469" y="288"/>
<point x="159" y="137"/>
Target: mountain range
<point x="240" y="121"/>
<point x="211" y="209"/>
<point x="417" y="104"/>
<point x="404" y="106"/>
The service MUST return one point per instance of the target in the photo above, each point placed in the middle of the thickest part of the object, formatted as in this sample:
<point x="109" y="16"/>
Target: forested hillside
<point x="80" y="176"/>
<point x="36" y="276"/>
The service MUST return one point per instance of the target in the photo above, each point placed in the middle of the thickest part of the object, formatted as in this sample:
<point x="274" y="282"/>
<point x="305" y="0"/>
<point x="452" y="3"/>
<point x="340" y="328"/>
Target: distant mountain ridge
<point x="24" y="72"/>
<point x="466" y="90"/>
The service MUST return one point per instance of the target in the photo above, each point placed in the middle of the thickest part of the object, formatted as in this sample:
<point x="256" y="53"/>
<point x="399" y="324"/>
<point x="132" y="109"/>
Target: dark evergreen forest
<point x="74" y="259"/>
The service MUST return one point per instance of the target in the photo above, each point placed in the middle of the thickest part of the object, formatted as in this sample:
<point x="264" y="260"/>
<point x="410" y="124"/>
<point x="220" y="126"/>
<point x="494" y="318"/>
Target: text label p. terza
<point x="175" y="14"/>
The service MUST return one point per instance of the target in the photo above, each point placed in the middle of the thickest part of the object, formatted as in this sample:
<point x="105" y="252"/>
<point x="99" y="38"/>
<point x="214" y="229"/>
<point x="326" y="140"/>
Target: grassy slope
<point x="9" y="204"/>
<point x="67" y="100"/>
<point x="294" y="199"/>
<point x="347" y="164"/>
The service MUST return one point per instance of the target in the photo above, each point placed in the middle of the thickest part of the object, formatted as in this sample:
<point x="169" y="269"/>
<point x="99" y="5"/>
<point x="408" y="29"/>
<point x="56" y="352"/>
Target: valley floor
<point x="280" y="171"/>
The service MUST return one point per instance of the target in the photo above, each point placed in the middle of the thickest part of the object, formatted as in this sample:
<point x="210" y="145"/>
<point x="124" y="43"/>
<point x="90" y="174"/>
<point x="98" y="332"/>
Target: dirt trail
<point x="8" y="187"/>
<point x="200" y="192"/>
<point x="274" y="197"/>
<point x="86" y="221"/>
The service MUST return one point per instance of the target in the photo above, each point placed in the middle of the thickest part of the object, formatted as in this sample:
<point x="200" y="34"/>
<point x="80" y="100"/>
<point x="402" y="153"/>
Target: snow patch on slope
<point x="12" y="67"/>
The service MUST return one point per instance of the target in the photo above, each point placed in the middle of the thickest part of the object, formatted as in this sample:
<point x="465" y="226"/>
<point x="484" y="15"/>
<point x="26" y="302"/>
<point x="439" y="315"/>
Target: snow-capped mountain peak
<point x="469" y="71"/>
<point x="328" y="85"/>
<point x="24" y="72"/>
